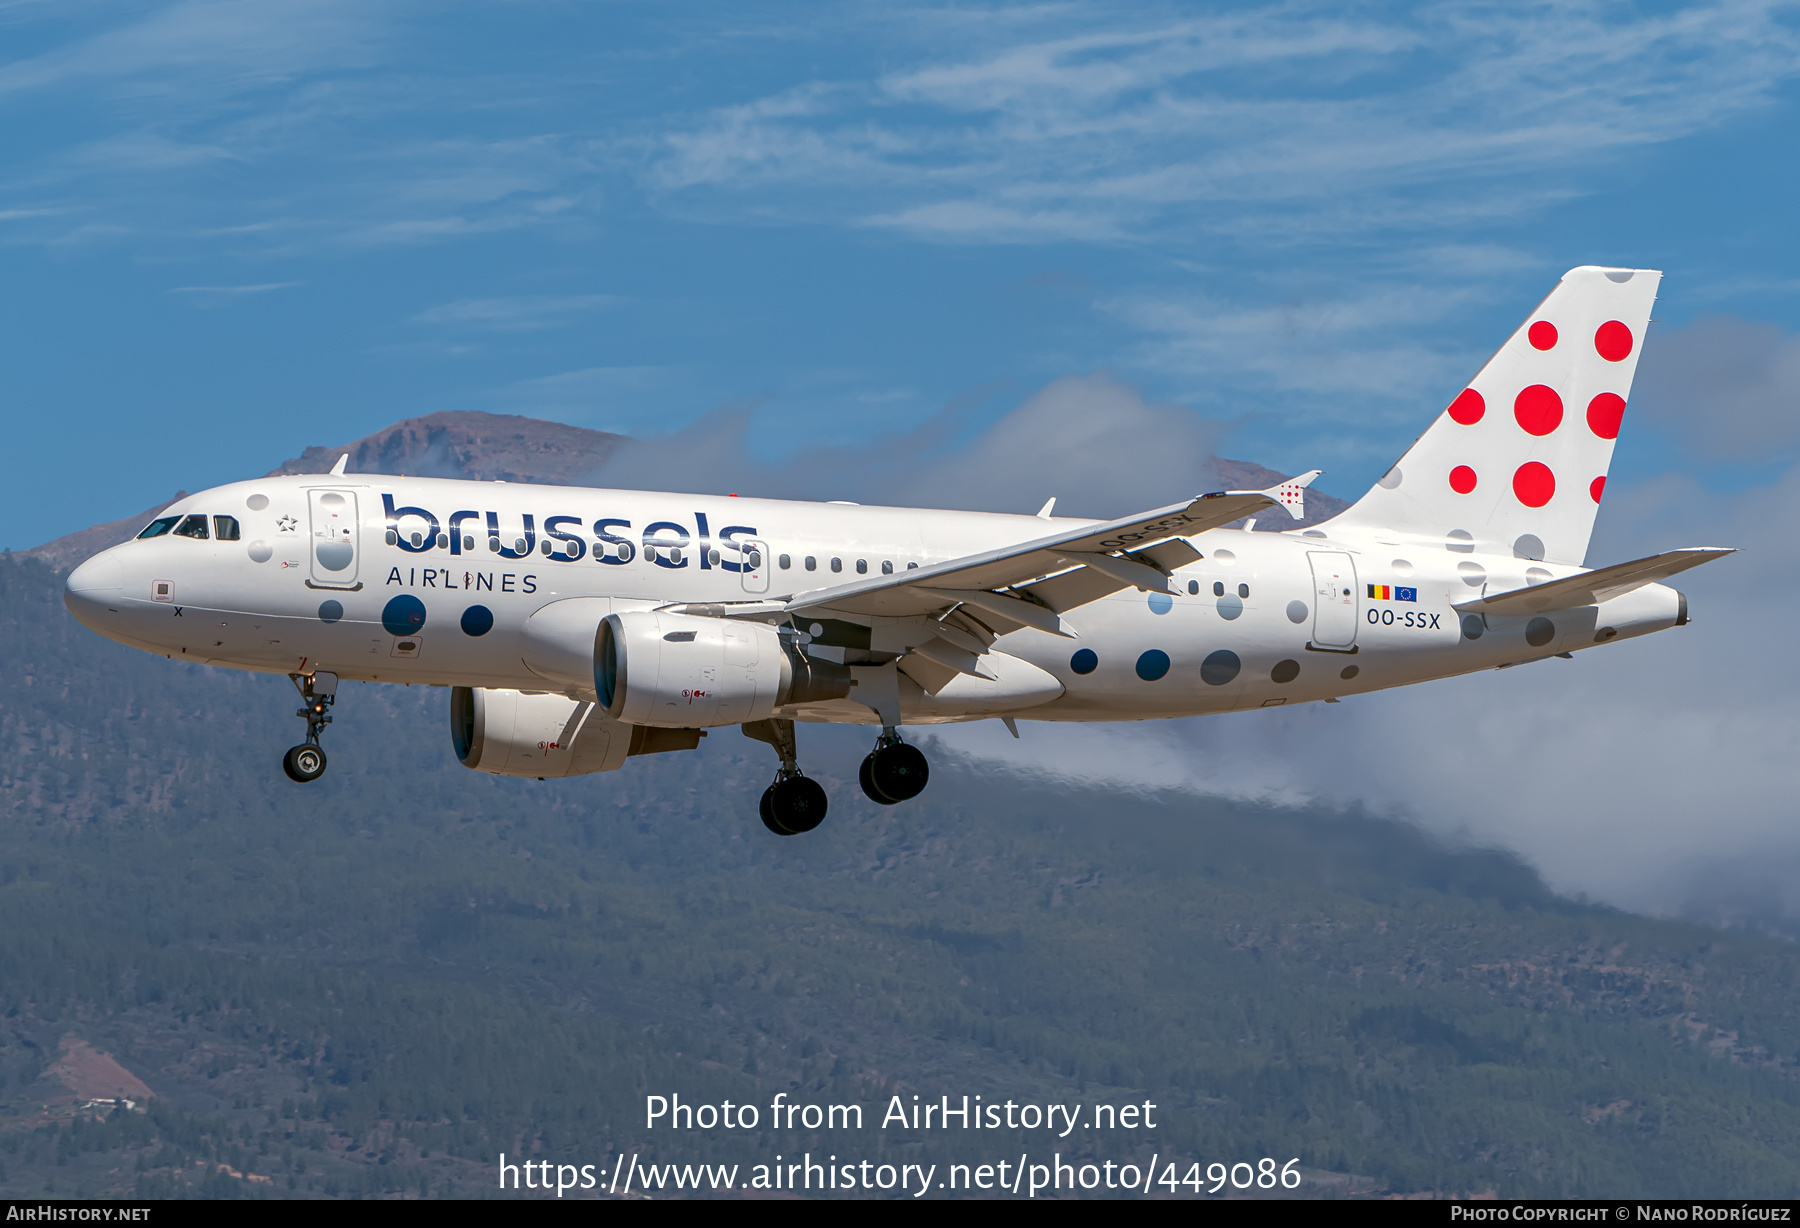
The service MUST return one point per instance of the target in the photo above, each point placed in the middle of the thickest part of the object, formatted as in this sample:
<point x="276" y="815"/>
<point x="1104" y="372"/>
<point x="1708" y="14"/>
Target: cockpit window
<point x="192" y="526"/>
<point x="159" y="526"/>
<point x="225" y="528"/>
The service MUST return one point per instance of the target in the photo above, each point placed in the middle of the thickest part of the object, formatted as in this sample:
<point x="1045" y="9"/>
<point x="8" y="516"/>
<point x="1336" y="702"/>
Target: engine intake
<point x="691" y="671"/>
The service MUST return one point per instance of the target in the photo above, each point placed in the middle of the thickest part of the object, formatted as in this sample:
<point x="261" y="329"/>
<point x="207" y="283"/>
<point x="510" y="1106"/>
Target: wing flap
<point x="1011" y="612"/>
<point x="1594" y="587"/>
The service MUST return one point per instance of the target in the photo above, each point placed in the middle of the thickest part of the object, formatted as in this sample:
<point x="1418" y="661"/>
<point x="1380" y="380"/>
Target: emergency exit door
<point x="754" y="570"/>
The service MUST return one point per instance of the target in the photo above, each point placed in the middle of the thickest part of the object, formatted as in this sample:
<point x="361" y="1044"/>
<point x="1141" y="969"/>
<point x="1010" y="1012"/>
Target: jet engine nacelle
<point x="534" y="733"/>
<point x="692" y="671"/>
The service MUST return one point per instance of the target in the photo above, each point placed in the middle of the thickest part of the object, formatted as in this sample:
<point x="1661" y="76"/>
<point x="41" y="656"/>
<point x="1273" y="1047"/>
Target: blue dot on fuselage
<point x="1084" y="661"/>
<point x="1220" y="667"/>
<point x="330" y="611"/>
<point x="477" y="620"/>
<point x="1153" y="665"/>
<point x="404" y="615"/>
<point x="1161" y="603"/>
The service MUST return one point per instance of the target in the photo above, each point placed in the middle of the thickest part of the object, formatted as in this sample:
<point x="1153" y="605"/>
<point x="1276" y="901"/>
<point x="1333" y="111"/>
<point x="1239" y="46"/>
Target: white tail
<point x="1517" y="463"/>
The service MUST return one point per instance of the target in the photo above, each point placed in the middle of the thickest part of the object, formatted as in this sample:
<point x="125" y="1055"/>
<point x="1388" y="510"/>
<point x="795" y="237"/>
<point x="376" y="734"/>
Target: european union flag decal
<point x="1406" y="594"/>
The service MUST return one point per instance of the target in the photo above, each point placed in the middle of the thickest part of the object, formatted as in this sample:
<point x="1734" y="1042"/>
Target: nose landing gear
<point x="893" y="772"/>
<point x="318" y="691"/>
<point x="793" y="804"/>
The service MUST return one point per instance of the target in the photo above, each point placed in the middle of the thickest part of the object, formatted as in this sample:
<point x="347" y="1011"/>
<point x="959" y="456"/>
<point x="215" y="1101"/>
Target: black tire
<point x="796" y="805"/>
<point x="865" y="776"/>
<point x="766" y="808"/>
<point x="303" y="763"/>
<point x="898" y="772"/>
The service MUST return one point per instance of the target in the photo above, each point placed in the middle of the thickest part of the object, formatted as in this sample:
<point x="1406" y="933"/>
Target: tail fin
<point x="1517" y="463"/>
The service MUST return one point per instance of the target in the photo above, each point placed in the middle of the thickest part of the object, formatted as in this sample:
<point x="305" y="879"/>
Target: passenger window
<point x="1218" y="588"/>
<point x="192" y="526"/>
<point x="1193" y="588"/>
<point x="225" y="528"/>
<point x="812" y="564"/>
<point x="1243" y="590"/>
<point x="159" y="526"/>
<point x="862" y="567"/>
<point x="786" y="561"/>
<point x="837" y="564"/>
<point x="887" y="567"/>
<point x="911" y="566"/>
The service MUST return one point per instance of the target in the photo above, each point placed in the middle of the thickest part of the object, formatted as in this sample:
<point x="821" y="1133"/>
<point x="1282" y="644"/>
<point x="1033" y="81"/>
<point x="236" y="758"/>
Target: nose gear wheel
<point x="303" y="763"/>
<point x="306" y="762"/>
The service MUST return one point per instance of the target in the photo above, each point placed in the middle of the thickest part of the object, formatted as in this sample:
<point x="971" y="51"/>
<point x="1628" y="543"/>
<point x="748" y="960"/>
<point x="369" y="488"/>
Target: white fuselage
<point x="310" y="584"/>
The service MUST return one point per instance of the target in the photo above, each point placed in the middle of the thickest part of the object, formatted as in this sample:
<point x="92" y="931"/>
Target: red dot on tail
<point x="1613" y="340"/>
<point x="1462" y="479"/>
<point x="1534" y="484"/>
<point x="1597" y="487"/>
<point x="1605" y="412"/>
<point x="1543" y="335"/>
<point x="1468" y="407"/>
<point x="1538" y="409"/>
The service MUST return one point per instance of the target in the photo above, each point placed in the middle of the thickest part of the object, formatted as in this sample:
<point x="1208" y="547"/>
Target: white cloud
<point x="1086" y="122"/>
<point x="515" y="313"/>
<point x="218" y="295"/>
<point x="1091" y="440"/>
<point x="229" y="44"/>
<point x="1729" y="388"/>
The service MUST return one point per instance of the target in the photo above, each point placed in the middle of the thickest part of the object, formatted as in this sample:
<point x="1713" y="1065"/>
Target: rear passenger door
<point x="1334" y="600"/>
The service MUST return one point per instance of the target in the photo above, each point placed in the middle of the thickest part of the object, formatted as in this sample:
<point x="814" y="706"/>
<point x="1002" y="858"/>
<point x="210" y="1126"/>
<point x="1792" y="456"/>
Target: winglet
<point x="1044" y="511"/>
<point x="337" y="470"/>
<point x="1291" y="494"/>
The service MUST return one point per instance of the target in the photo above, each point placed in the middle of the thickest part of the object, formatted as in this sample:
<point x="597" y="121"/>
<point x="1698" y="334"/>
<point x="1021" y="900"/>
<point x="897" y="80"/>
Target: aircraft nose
<point x="101" y="574"/>
<point x="93" y="587"/>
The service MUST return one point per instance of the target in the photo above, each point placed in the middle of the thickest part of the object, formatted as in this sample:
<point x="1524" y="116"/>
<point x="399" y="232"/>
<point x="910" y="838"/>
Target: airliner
<point x="576" y="628"/>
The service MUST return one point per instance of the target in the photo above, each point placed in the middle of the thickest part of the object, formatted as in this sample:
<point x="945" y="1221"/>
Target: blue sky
<point x="234" y="229"/>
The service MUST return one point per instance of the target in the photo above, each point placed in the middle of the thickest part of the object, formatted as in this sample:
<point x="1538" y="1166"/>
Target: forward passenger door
<point x="334" y="538"/>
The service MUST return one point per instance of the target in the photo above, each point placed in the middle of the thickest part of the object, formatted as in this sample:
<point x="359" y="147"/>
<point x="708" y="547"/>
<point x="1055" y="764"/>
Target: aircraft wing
<point x="944" y="617"/>
<point x="1593" y="587"/>
<point x="1133" y="552"/>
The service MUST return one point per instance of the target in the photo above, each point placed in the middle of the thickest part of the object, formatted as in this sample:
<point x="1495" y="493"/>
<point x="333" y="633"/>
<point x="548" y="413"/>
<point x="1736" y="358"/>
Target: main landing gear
<point x="306" y="762"/>
<point x="893" y="772"/>
<point x="793" y="803"/>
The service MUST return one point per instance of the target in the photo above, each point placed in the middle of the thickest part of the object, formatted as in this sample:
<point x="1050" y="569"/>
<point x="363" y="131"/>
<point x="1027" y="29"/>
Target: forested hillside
<point x="376" y="983"/>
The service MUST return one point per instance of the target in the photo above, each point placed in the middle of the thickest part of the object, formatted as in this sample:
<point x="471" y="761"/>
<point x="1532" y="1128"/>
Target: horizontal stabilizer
<point x="1291" y="494"/>
<point x="1594" y="587"/>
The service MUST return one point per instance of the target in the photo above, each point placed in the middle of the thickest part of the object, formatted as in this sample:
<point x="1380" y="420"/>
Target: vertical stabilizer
<point x="1517" y="463"/>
